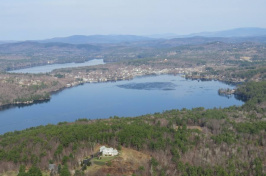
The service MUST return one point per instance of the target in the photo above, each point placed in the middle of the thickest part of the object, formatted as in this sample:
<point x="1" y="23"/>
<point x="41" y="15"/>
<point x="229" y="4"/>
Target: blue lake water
<point x="49" y="68"/>
<point x="142" y="95"/>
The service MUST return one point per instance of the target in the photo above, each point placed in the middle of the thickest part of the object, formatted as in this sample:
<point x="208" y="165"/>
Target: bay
<point x="49" y="68"/>
<point x="142" y="95"/>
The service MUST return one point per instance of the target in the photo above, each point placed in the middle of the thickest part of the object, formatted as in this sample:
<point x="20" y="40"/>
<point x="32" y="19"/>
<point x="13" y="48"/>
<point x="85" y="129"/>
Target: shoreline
<point x="153" y="77"/>
<point x="72" y="85"/>
<point x="75" y="84"/>
<point x="47" y="64"/>
<point x="204" y="78"/>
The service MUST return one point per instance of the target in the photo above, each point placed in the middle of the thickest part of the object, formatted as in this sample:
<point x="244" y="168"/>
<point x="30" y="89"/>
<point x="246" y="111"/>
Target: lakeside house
<point x="108" y="151"/>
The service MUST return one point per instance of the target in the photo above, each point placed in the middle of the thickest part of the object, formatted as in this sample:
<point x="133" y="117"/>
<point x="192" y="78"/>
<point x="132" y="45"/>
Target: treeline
<point x="252" y="93"/>
<point x="161" y="134"/>
<point x="36" y="97"/>
<point x="127" y="132"/>
<point x="250" y="73"/>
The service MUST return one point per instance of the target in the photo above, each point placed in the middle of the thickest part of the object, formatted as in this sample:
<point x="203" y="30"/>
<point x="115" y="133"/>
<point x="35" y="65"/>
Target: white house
<point x="108" y="151"/>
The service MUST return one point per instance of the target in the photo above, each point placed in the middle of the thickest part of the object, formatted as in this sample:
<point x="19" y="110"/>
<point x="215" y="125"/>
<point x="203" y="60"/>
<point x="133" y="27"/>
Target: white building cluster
<point x="108" y="151"/>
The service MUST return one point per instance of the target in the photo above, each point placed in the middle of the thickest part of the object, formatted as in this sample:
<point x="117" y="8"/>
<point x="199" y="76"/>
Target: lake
<point x="49" y="68"/>
<point x="142" y="95"/>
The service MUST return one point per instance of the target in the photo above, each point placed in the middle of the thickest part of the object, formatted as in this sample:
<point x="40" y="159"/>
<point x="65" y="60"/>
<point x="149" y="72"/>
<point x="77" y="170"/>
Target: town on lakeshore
<point x="37" y="87"/>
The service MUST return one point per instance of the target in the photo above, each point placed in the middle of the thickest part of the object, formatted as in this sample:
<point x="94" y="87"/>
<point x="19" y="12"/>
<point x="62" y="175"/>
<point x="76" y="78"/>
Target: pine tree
<point x="65" y="171"/>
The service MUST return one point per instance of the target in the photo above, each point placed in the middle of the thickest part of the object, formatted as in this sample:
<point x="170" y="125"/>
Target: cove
<point x="142" y="95"/>
<point x="49" y="68"/>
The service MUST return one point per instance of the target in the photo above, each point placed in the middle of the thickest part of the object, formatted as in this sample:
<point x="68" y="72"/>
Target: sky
<point x="42" y="19"/>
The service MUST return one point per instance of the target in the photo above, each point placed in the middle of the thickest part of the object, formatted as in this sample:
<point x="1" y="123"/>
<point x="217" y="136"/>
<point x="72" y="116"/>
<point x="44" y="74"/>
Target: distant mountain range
<point x="95" y="39"/>
<point x="62" y="47"/>
<point x="197" y="40"/>
<point x="238" y="32"/>
<point x="107" y="39"/>
<point x="233" y="35"/>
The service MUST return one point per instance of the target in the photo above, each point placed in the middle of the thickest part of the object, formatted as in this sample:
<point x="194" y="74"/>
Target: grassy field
<point x="98" y="164"/>
<point x="103" y="161"/>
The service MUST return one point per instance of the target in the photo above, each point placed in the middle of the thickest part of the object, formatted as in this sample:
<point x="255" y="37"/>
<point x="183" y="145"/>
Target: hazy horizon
<point x="44" y="19"/>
